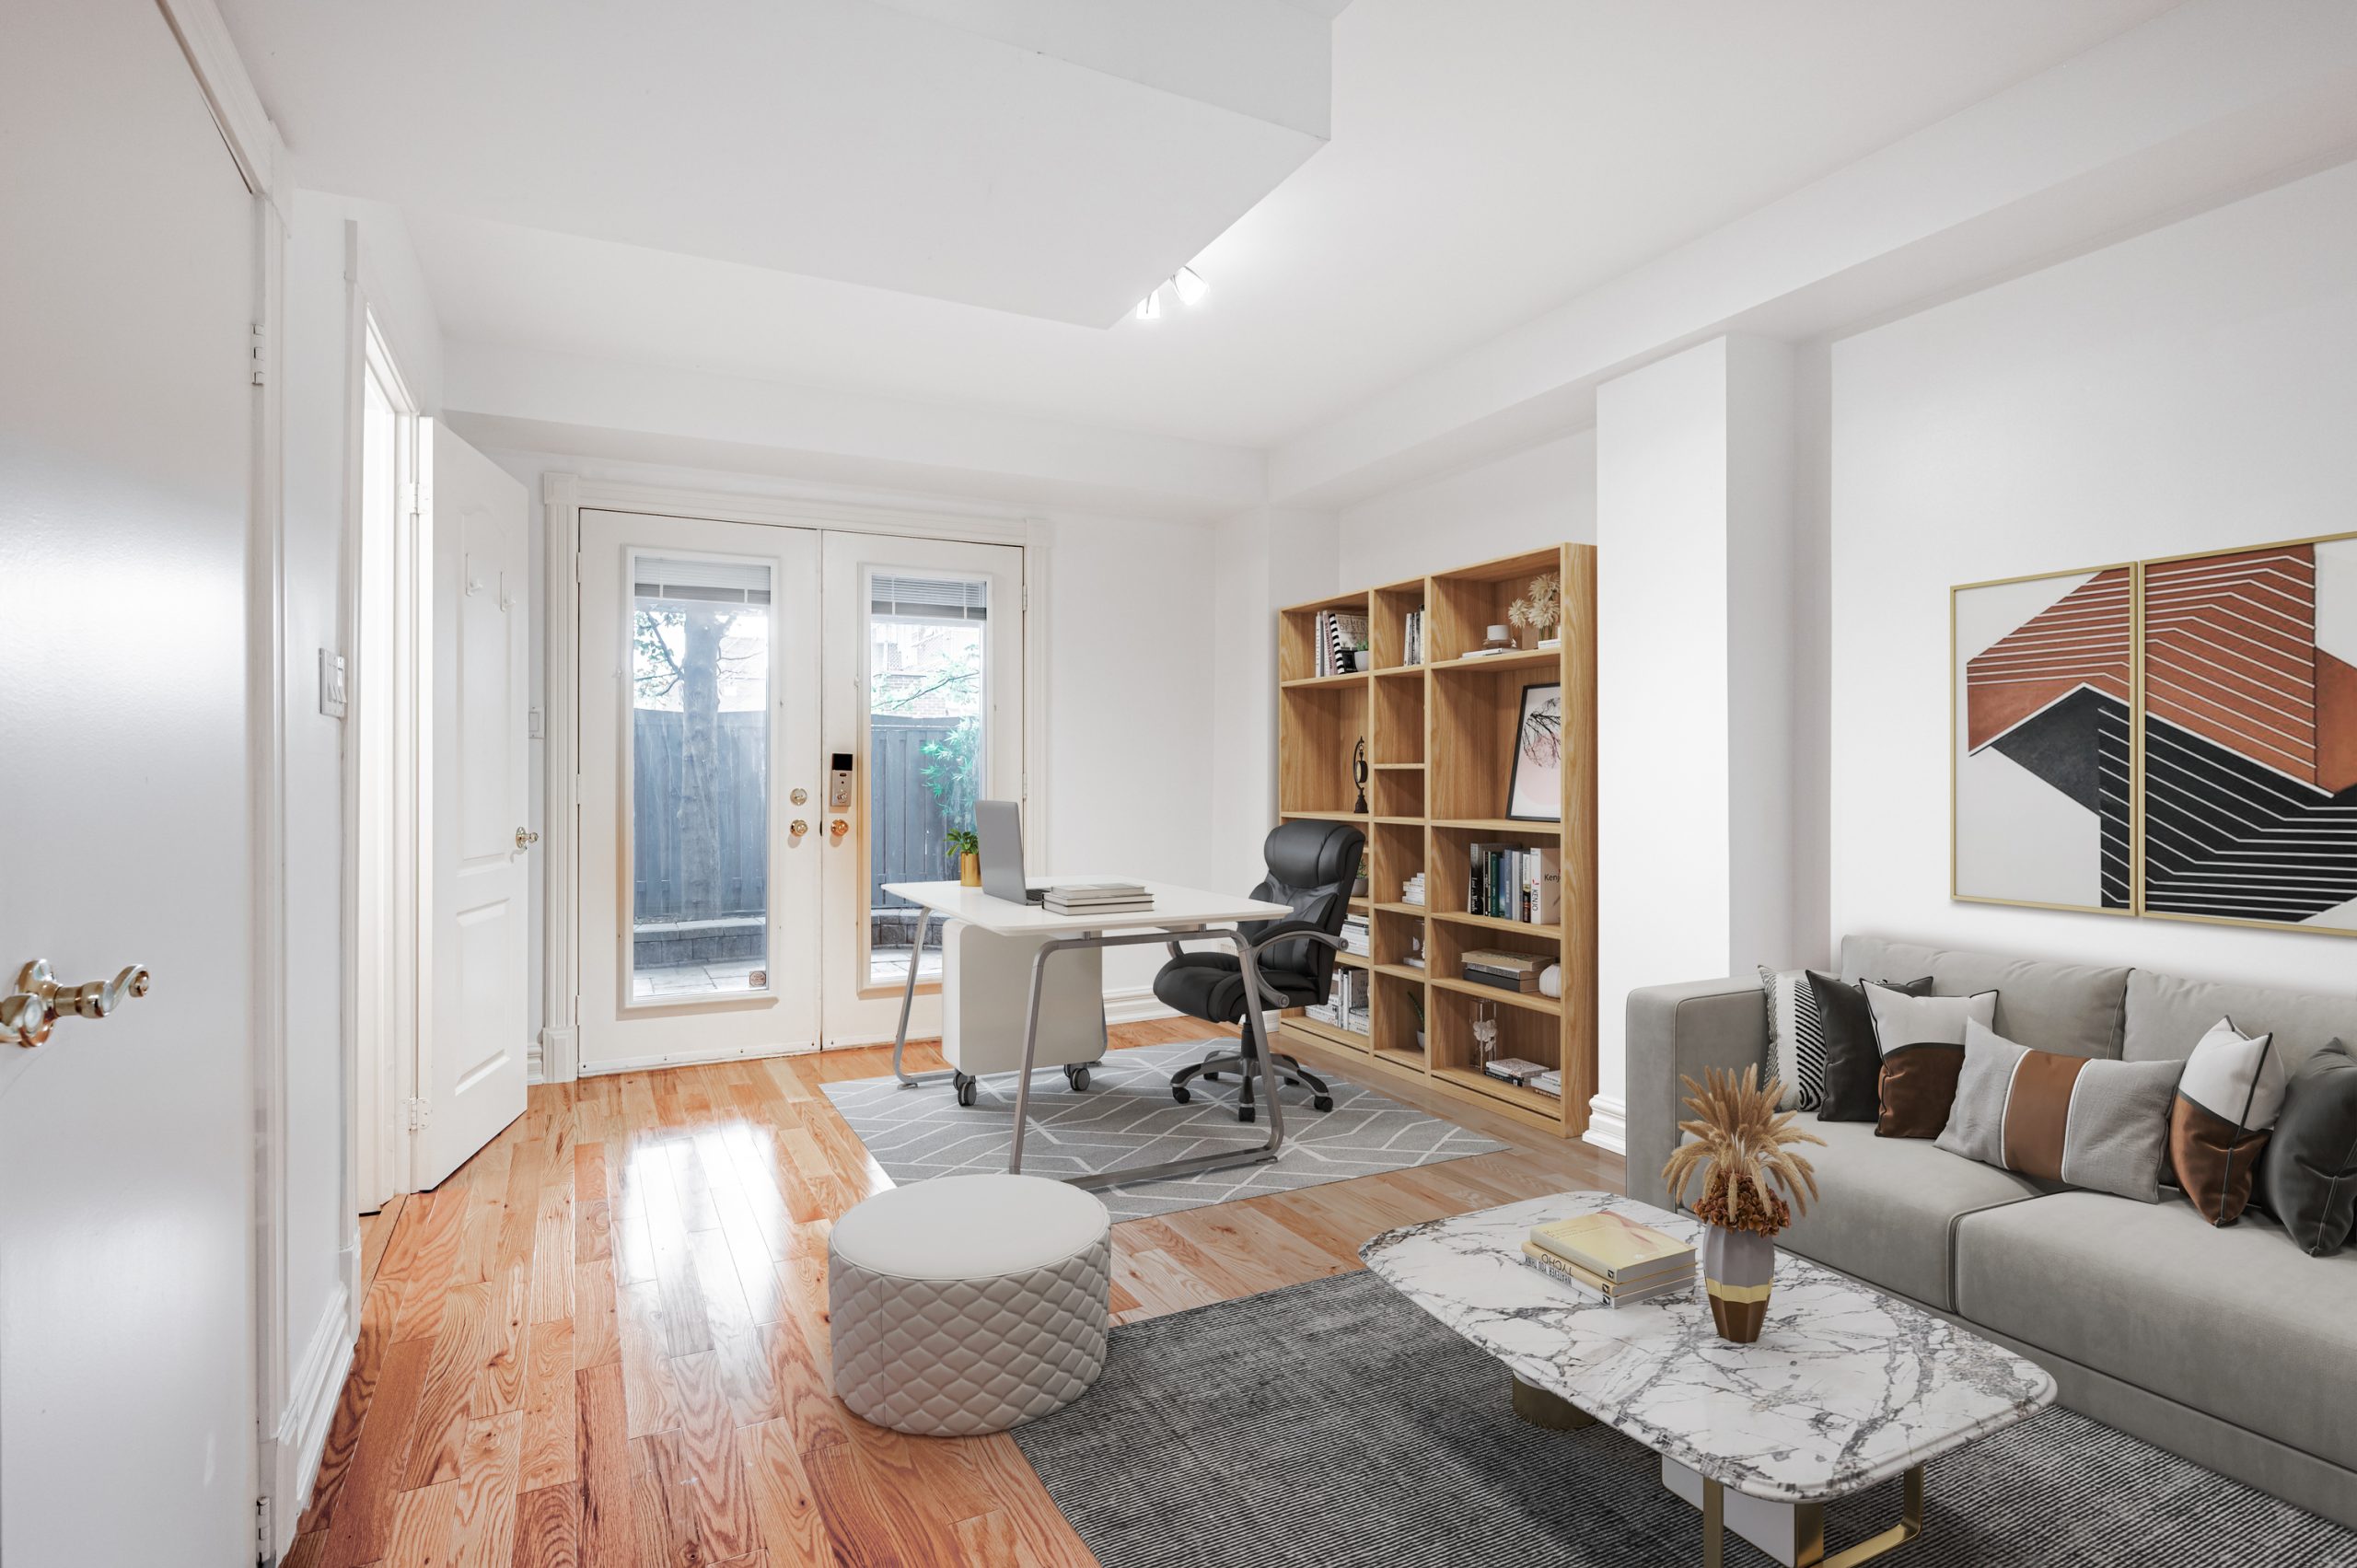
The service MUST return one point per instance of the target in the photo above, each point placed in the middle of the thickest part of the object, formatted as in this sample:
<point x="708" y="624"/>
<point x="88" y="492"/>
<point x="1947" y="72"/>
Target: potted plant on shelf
<point x="1540" y="609"/>
<point x="968" y="846"/>
<point x="1742" y="1148"/>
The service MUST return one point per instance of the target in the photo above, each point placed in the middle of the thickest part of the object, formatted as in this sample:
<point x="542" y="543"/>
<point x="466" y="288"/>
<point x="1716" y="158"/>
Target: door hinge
<point x="258" y="349"/>
<point x="409" y="499"/>
<point x="265" y="1548"/>
<point x="417" y="1111"/>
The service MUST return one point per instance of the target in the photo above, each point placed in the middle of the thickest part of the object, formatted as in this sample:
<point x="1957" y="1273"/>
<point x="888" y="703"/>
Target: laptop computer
<point x="999" y="824"/>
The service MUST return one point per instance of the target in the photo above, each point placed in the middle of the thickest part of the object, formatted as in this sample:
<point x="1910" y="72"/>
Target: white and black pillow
<point x="2226" y="1106"/>
<point x="1796" y="1039"/>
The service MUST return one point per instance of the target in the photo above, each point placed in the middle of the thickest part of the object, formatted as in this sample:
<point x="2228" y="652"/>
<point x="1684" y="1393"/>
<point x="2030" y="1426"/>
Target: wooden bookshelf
<point x="1440" y="740"/>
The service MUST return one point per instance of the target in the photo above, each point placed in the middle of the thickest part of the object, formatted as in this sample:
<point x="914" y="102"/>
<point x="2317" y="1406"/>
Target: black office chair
<point x="1311" y="866"/>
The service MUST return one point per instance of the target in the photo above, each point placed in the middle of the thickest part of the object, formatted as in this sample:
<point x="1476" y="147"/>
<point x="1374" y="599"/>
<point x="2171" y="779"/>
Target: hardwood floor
<point x="603" y="1341"/>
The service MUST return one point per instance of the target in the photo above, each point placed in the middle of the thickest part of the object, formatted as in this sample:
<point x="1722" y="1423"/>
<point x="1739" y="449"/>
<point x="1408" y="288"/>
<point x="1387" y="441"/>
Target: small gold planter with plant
<point x="1741" y="1144"/>
<point x="969" y="856"/>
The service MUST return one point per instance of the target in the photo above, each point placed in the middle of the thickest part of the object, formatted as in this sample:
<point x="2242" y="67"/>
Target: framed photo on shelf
<point x="1536" y="792"/>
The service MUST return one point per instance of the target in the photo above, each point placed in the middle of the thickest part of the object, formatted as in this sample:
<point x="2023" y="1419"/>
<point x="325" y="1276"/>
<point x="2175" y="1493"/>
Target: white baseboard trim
<point x="693" y="1059"/>
<point x="302" y="1433"/>
<point x="1135" y="1006"/>
<point x="1608" y="1124"/>
<point x="550" y="1058"/>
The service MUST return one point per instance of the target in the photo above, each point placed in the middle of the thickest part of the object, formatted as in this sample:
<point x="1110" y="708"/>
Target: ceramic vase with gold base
<point x="1739" y="1270"/>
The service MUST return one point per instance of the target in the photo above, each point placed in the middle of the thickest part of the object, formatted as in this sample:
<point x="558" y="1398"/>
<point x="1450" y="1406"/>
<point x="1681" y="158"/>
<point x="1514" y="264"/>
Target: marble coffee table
<point x="1846" y="1387"/>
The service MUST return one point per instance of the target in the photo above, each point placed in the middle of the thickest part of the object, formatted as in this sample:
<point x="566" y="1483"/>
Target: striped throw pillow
<point x="2084" y="1122"/>
<point x="1796" y="1039"/>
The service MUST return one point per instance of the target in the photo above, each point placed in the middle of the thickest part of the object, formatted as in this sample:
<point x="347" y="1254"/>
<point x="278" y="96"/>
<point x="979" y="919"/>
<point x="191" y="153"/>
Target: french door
<point x="775" y="722"/>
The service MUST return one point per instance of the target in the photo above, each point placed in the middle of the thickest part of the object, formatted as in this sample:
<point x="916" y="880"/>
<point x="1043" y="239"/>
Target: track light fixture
<point x="1186" y="283"/>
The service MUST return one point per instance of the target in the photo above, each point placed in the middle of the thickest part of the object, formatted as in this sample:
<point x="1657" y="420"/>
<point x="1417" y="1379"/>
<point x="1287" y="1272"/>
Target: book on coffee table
<point x="1613" y="1245"/>
<point x="1594" y="1287"/>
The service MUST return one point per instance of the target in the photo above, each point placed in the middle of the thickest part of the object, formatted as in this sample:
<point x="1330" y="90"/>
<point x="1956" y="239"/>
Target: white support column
<point x="1694" y="541"/>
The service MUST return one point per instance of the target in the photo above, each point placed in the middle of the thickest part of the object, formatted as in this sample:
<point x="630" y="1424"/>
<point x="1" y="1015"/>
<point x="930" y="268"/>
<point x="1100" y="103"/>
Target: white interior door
<point x="127" y="1386"/>
<point x="472" y="957"/>
<point x="925" y="692"/>
<point x="699" y="790"/>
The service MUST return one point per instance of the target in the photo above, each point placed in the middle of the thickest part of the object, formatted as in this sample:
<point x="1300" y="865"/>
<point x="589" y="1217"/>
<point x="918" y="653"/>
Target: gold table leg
<point x="1808" y="1529"/>
<point x="1552" y="1411"/>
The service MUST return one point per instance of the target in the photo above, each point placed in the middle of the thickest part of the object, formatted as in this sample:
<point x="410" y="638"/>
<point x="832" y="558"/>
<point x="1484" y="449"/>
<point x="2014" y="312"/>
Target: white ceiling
<point x="1055" y="157"/>
<point x="1489" y="160"/>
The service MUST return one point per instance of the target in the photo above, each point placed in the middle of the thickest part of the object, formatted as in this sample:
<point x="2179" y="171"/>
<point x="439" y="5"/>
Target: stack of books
<point x="1098" y="898"/>
<point x="1345" y="1006"/>
<point x="1412" y="637"/>
<point x="1515" y="1070"/>
<point x="1611" y="1260"/>
<point x="1549" y="1081"/>
<point x="1507" y="972"/>
<point x="1356" y="938"/>
<point x="1516" y="882"/>
<point x="1411" y="891"/>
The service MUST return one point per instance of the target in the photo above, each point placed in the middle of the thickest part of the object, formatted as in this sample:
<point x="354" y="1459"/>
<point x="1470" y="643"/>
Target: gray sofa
<point x="2229" y="1346"/>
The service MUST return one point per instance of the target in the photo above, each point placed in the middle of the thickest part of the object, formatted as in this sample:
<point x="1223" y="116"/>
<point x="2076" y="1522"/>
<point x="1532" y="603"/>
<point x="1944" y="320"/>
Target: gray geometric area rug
<point x="1334" y="1424"/>
<point x="1127" y="1117"/>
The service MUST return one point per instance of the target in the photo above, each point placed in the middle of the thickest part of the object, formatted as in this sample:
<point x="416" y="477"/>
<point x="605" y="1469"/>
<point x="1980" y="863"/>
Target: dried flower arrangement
<point x="1541" y="607"/>
<point x="1742" y="1143"/>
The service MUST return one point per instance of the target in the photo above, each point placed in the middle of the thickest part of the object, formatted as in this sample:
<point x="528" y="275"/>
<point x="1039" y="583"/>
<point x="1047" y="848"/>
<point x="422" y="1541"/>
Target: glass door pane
<point x="699" y="739"/>
<point x="927" y="647"/>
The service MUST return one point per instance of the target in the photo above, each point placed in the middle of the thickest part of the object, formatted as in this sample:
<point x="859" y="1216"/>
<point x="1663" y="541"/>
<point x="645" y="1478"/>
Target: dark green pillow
<point x="2308" y="1178"/>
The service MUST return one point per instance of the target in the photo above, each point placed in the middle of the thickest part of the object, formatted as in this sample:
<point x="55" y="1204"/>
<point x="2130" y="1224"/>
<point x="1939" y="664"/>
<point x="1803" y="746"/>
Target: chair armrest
<point x="1679" y="1030"/>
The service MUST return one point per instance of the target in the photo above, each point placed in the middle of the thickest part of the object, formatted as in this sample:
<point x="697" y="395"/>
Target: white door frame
<point x="379" y="904"/>
<point x="563" y="498"/>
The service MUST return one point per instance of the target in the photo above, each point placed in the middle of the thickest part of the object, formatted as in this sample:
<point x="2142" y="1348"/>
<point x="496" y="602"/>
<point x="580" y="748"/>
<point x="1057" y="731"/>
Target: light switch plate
<point x="331" y="684"/>
<point x="533" y="727"/>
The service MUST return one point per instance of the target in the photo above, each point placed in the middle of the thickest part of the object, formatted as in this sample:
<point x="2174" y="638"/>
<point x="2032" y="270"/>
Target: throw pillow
<point x="1921" y="1039"/>
<point x="1853" y="1065"/>
<point x="1796" y="1039"/>
<point x="2084" y="1123"/>
<point x="2308" y="1178"/>
<point x="2226" y="1103"/>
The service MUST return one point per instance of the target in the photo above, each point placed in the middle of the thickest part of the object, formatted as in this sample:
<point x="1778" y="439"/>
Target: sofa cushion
<point x="1885" y="1207"/>
<point x="2167" y="1016"/>
<point x="2236" y="1322"/>
<point x="2077" y="1009"/>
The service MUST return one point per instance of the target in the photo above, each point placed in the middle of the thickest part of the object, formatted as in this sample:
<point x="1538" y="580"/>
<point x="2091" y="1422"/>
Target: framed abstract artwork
<point x="2043" y="682"/>
<point x="1536" y="791"/>
<point x="2249" y="674"/>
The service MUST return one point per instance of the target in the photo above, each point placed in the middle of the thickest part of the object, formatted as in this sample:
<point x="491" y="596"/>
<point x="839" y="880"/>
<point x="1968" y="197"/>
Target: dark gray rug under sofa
<point x="1334" y="1424"/>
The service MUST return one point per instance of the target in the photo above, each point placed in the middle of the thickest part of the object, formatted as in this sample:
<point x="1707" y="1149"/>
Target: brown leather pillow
<point x="2226" y="1105"/>
<point x="1917" y="1088"/>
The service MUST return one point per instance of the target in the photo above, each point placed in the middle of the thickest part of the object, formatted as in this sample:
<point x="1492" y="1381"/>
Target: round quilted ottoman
<point x="970" y="1302"/>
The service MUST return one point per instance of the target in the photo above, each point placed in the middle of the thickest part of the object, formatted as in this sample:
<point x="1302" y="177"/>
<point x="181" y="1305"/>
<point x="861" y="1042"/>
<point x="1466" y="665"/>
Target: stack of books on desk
<point x="1098" y="898"/>
<point x="1507" y="972"/>
<point x="1612" y="1260"/>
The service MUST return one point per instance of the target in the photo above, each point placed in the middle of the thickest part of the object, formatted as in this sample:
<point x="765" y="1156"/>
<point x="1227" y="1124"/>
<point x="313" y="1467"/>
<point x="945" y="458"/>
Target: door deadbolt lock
<point x="526" y="838"/>
<point x="799" y="797"/>
<point x="39" y="1000"/>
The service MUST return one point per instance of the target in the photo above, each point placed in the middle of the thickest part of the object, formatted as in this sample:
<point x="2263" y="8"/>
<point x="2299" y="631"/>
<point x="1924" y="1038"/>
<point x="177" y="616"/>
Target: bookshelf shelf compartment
<point x="1440" y="736"/>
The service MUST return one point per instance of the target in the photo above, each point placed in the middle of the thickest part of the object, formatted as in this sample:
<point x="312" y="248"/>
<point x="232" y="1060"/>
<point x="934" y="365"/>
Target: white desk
<point x="1176" y="912"/>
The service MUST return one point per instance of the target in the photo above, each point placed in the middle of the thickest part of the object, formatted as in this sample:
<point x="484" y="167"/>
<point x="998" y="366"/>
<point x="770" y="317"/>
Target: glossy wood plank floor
<point x="603" y="1341"/>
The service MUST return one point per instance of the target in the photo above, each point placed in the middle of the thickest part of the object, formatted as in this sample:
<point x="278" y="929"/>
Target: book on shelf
<point x="1507" y="972"/>
<point x="1339" y="633"/>
<point x="1356" y="937"/>
<point x="1551" y="1082"/>
<point x="1523" y="883"/>
<point x="1614" y="1246"/>
<point x="1411" y="891"/>
<point x="1345" y="1006"/>
<point x="1411" y="637"/>
<point x="1604" y="1292"/>
<point x="1513" y="1069"/>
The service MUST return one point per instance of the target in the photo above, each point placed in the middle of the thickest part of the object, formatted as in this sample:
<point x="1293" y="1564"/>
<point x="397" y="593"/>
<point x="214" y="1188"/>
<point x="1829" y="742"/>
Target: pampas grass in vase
<point x="1753" y="1182"/>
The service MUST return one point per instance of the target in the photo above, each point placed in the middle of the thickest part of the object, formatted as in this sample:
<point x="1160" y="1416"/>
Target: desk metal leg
<point x="909" y="1000"/>
<point x="1248" y="961"/>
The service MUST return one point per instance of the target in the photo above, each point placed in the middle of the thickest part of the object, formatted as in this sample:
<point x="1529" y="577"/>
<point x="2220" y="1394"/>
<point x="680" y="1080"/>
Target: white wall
<point x="1539" y="495"/>
<point x="2186" y="390"/>
<point x="1694" y="492"/>
<point x="322" y="1236"/>
<point x="1132" y="623"/>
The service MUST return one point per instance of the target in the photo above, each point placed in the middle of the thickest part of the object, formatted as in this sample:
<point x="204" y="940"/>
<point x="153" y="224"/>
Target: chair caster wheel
<point x="1211" y="1077"/>
<point x="1178" y="1092"/>
<point x="1077" y="1077"/>
<point x="965" y="1088"/>
<point x="1322" y="1102"/>
<point x="1248" y="1114"/>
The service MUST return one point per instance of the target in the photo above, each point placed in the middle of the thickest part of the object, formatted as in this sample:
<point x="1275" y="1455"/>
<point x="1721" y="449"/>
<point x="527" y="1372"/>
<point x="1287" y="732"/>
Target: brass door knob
<point x="838" y="827"/>
<point x="39" y="1000"/>
<point x="797" y="826"/>
<point x="525" y="838"/>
